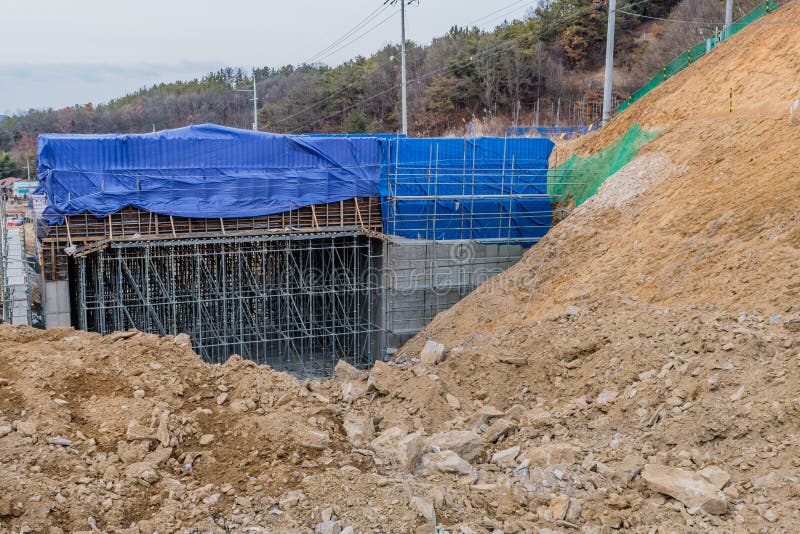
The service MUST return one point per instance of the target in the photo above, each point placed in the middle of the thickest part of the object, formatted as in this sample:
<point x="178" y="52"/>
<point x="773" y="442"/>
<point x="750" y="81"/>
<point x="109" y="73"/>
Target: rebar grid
<point x="295" y="302"/>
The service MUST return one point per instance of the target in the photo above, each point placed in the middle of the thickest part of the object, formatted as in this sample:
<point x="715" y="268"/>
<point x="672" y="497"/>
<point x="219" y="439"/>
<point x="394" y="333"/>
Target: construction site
<point x="251" y="332"/>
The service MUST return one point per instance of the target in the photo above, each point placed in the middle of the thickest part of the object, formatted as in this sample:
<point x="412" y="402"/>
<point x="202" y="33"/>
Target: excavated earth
<point x="637" y="371"/>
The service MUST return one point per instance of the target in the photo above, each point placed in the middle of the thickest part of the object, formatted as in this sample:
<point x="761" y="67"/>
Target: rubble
<point x="691" y="489"/>
<point x="637" y="370"/>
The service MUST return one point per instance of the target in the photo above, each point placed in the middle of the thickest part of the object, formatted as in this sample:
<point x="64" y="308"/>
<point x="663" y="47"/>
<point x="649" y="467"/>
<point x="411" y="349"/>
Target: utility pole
<point x="608" y="83"/>
<point x="255" y="103"/>
<point x="403" y="64"/>
<point x="255" y="100"/>
<point x="728" y="13"/>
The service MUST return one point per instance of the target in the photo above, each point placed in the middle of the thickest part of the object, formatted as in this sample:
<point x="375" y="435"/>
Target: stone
<point x="506" y="458"/>
<point x="628" y="469"/>
<point x="404" y="449"/>
<point x="347" y="530"/>
<point x="212" y="499"/>
<point x="132" y="452"/>
<point x="448" y="462"/>
<point x="409" y="451"/>
<point x="769" y="480"/>
<point x="690" y="488"/>
<point x="770" y="515"/>
<point x="26" y="428"/>
<point x="221" y="398"/>
<point x="388" y="439"/>
<point x="344" y="372"/>
<point x="452" y="401"/>
<point x="556" y="454"/>
<point x="207" y="439"/>
<point x="138" y="394"/>
<point x="291" y="499"/>
<point x="517" y="361"/>
<point x="311" y="439"/>
<point x="137" y="431"/>
<point x="243" y="405"/>
<point x="465" y="443"/>
<point x="4" y="430"/>
<point x="558" y="507"/>
<point x="432" y="353"/>
<point x="142" y="471"/>
<point x="715" y="476"/>
<point x="499" y="429"/>
<point x="381" y="378"/>
<point x="162" y="432"/>
<point x="606" y="397"/>
<point x="328" y="527"/>
<point x="738" y="394"/>
<point x="425" y="508"/>
<point x="158" y="456"/>
<point x="360" y="430"/>
<point x="353" y="390"/>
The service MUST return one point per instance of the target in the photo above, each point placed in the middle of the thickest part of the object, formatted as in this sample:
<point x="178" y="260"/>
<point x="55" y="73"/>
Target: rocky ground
<point x="637" y="371"/>
<point x="619" y="415"/>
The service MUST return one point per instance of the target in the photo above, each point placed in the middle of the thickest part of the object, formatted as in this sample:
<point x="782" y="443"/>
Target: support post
<point x="403" y="65"/>
<point x="728" y="13"/>
<point x="609" y="75"/>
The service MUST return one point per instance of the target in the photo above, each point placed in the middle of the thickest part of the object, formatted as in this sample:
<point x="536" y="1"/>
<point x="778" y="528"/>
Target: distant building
<point x="23" y="188"/>
<point x="6" y="183"/>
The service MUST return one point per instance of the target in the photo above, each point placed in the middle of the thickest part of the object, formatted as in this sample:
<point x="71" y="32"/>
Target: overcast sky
<point x="55" y="53"/>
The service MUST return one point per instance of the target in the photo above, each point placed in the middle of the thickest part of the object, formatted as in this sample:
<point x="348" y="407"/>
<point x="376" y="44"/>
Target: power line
<point x="359" y="37"/>
<point x="366" y="20"/>
<point x="346" y="87"/>
<point x="562" y="20"/>
<point x="699" y="22"/>
<point x="482" y="20"/>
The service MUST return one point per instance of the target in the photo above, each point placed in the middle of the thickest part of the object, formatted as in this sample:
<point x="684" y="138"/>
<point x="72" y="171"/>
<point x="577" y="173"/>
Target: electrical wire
<point x="366" y="20"/>
<point x="578" y="13"/>
<point x="483" y="19"/>
<point x="359" y="37"/>
<point x="699" y="22"/>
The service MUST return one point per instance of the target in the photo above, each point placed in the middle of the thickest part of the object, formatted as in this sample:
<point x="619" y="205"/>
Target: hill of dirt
<point x="637" y="371"/>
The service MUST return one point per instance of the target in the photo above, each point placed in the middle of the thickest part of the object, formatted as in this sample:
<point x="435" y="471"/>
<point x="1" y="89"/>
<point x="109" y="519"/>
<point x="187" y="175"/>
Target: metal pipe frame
<point x="298" y="303"/>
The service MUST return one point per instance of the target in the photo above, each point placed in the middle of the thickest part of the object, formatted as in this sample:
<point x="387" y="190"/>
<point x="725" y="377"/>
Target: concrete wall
<point x="56" y="304"/>
<point x="423" y="278"/>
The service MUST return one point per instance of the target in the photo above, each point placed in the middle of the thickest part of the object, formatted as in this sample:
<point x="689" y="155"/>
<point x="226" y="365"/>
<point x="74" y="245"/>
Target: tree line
<point x="556" y="51"/>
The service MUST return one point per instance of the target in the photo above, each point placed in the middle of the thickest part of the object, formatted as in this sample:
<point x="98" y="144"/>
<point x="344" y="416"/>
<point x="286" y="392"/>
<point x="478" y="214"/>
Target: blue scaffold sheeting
<point x="482" y="188"/>
<point x="565" y="132"/>
<point x="205" y="171"/>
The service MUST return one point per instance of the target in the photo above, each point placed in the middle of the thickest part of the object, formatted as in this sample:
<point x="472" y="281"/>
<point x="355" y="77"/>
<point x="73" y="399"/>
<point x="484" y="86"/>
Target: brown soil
<point x="655" y="325"/>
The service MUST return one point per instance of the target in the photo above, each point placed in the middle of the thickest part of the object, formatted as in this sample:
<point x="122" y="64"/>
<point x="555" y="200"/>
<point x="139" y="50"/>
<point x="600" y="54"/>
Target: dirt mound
<point x="637" y="371"/>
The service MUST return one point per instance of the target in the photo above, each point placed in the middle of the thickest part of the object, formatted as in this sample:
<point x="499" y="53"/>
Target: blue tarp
<point x="550" y="131"/>
<point x="205" y="171"/>
<point x="465" y="188"/>
<point x="447" y="188"/>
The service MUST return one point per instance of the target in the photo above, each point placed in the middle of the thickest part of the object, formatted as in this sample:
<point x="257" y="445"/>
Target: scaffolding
<point x="301" y="289"/>
<point x="297" y="302"/>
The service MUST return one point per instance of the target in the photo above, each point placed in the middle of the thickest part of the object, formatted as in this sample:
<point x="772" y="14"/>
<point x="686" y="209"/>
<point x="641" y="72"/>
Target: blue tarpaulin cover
<point x="446" y="188"/>
<point x="465" y="188"/>
<point x="205" y="171"/>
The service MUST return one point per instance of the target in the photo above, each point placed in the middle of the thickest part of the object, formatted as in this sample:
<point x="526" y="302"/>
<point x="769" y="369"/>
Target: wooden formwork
<point x="86" y="231"/>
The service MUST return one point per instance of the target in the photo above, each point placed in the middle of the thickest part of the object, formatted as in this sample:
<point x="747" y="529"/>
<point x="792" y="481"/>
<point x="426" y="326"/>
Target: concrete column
<point x="56" y="304"/>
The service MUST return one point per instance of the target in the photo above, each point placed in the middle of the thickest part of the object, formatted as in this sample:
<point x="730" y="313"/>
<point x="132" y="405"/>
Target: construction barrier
<point x="580" y="177"/>
<point x="697" y="51"/>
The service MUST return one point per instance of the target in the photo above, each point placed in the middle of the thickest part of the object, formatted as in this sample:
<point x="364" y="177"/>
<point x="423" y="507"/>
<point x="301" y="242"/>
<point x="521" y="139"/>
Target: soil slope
<point x="637" y="371"/>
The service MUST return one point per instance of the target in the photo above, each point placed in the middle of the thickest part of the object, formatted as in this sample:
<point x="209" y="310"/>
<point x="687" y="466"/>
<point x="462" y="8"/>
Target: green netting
<point x="697" y="51"/>
<point x="580" y="177"/>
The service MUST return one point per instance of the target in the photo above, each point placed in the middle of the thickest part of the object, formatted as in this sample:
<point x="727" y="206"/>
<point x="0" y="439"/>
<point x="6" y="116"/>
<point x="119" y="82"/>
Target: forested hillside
<point x="552" y="59"/>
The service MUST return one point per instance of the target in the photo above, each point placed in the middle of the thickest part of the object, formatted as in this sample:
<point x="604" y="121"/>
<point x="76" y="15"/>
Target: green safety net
<point x="699" y="50"/>
<point x="580" y="177"/>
